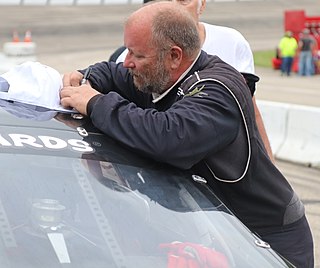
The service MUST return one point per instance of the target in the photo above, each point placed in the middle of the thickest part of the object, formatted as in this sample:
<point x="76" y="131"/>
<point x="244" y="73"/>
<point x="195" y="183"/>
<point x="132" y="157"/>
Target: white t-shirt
<point x="228" y="44"/>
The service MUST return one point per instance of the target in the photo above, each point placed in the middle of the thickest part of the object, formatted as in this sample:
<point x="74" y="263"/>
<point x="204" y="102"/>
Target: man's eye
<point x="139" y="56"/>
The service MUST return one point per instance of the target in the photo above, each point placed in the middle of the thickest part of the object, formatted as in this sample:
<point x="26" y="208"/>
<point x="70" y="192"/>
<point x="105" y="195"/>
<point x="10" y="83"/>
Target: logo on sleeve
<point x="197" y="92"/>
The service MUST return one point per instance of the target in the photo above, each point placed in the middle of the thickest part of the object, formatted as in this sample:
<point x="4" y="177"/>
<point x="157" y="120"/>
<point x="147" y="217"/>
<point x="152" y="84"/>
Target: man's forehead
<point x="136" y="34"/>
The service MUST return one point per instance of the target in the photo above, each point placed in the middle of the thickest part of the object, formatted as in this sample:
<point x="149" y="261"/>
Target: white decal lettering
<point x="52" y="142"/>
<point x="20" y="139"/>
<point x="4" y="142"/>
<point x="80" y="146"/>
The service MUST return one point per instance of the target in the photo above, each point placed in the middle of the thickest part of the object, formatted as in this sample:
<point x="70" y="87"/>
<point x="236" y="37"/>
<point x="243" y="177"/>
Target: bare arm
<point x="262" y="130"/>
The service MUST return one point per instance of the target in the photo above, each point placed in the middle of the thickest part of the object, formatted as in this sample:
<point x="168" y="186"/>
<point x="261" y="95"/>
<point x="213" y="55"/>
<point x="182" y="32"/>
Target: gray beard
<point x="156" y="86"/>
<point x="158" y="83"/>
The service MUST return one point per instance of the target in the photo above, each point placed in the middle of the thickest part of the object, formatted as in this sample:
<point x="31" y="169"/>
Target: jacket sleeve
<point x="182" y="135"/>
<point x="251" y="81"/>
<point x="109" y="76"/>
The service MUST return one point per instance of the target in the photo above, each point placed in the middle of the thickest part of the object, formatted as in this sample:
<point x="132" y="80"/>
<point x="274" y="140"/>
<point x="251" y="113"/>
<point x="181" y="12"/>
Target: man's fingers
<point x="65" y="102"/>
<point x="72" y="79"/>
<point x="65" y="96"/>
<point x="77" y="97"/>
<point x="66" y="80"/>
<point x="65" y="91"/>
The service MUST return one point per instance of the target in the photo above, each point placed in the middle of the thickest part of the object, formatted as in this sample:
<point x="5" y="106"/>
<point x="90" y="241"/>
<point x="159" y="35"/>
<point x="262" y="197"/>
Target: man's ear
<point x="202" y="6"/>
<point x="175" y="57"/>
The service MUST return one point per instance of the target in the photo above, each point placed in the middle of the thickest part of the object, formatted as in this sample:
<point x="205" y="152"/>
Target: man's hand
<point x="72" y="79"/>
<point x="77" y="97"/>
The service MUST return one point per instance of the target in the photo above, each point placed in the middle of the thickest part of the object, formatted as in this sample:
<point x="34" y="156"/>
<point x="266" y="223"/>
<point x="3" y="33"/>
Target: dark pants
<point x="294" y="242"/>
<point x="286" y="65"/>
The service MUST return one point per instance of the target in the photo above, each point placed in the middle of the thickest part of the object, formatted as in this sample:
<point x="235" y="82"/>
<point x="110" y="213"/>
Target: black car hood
<point x="72" y="196"/>
<point x="49" y="132"/>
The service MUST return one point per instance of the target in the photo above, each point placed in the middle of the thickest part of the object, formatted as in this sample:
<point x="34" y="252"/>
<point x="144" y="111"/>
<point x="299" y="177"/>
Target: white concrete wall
<point x="294" y="131"/>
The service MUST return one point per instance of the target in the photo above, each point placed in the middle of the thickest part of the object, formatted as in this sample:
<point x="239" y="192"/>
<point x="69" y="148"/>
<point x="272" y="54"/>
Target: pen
<point x="86" y="76"/>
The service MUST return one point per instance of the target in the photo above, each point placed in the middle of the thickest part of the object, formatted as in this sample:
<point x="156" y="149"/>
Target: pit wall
<point x="293" y="131"/>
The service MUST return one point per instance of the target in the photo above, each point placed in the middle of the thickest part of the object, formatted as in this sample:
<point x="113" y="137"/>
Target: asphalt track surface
<point x="72" y="37"/>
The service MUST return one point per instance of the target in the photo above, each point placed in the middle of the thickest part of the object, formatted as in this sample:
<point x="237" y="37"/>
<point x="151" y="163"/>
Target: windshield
<point x="57" y="211"/>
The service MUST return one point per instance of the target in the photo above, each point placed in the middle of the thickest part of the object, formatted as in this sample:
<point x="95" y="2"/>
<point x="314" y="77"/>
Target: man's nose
<point x="128" y="62"/>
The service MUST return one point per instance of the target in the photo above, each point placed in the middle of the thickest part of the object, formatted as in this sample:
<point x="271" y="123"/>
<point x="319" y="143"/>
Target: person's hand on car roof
<point x="72" y="79"/>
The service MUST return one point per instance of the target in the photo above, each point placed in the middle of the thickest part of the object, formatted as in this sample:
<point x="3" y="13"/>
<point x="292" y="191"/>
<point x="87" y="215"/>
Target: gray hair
<point x="175" y="27"/>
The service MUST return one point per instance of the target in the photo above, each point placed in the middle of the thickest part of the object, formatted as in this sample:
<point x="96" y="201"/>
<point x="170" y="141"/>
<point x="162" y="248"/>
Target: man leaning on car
<point x="174" y="103"/>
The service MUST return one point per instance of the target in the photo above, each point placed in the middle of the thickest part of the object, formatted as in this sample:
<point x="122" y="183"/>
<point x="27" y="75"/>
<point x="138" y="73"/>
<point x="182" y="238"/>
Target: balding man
<point x="174" y="103"/>
<point x="229" y="45"/>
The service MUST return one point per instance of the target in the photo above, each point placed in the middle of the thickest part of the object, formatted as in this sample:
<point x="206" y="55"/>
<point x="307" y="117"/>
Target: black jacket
<point x="205" y="123"/>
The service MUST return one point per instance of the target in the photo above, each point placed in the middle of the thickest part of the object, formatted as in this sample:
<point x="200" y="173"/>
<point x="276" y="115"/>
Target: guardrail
<point x="293" y="131"/>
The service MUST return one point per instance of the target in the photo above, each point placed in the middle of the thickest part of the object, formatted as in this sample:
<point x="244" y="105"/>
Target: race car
<point x="71" y="196"/>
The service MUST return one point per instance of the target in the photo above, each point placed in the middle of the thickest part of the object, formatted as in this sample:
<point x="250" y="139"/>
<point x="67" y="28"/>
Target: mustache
<point x="151" y="81"/>
<point x="142" y="88"/>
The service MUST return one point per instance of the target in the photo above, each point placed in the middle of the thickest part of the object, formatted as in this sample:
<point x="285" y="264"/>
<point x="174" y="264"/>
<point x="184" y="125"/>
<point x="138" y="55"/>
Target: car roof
<point x="64" y="182"/>
<point x="75" y="133"/>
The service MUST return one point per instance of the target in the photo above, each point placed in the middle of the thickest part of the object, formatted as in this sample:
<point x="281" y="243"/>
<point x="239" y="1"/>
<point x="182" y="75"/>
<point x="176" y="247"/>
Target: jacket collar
<point x="158" y="97"/>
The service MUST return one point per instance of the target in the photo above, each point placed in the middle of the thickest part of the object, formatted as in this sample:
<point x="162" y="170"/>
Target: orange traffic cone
<point x="15" y="37"/>
<point x="27" y="37"/>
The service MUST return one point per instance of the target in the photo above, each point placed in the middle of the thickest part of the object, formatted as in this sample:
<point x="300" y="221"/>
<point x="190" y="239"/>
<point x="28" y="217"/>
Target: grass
<point x="263" y="58"/>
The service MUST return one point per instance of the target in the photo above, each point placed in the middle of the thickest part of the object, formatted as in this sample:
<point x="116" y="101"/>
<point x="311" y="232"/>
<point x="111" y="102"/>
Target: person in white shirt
<point x="236" y="53"/>
<point x="229" y="45"/>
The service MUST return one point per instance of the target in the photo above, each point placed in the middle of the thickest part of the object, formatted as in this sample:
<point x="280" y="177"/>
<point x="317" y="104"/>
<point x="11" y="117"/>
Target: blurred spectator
<point x="306" y="46"/>
<point x="288" y="46"/>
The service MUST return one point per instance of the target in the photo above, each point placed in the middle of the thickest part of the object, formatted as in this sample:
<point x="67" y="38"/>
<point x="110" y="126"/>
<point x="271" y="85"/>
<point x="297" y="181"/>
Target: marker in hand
<point x="86" y="76"/>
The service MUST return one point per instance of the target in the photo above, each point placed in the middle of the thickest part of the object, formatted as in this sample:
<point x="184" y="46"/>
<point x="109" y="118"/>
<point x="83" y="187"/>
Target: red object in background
<point x="15" y="37"/>
<point x="295" y="65"/>
<point x="276" y="63"/>
<point x="295" y="21"/>
<point x="27" y="37"/>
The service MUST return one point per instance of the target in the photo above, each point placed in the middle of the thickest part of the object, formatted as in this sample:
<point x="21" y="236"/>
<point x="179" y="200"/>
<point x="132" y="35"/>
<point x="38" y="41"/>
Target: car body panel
<point x="72" y="196"/>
